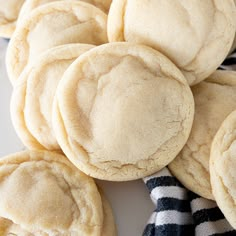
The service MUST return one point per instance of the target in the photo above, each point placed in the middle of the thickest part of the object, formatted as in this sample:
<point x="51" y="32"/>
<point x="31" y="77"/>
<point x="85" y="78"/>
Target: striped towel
<point x="229" y="63"/>
<point x="180" y="212"/>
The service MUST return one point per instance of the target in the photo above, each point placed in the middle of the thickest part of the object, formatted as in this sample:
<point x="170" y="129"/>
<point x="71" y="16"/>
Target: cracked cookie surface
<point x="33" y="95"/>
<point x="44" y="194"/>
<point x="52" y="25"/>
<point x="222" y="168"/>
<point x="190" y="33"/>
<point x="8" y="228"/>
<point x="214" y="99"/>
<point x="122" y="111"/>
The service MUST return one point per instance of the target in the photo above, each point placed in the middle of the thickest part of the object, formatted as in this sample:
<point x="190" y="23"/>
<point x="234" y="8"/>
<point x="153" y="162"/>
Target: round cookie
<point x="30" y="5"/>
<point x="195" y="35"/>
<point x="222" y="168"/>
<point x="7" y="227"/>
<point x="122" y="111"/>
<point x="44" y="194"/>
<point x="9" y="10"/>
<point x="52" y="25"/>
<point x="33" y="94"/>
<point x="214" y="99"/>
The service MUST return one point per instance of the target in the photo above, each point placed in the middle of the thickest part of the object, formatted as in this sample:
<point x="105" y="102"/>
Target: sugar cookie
<point x="195" y="35"/>
<point x="7" y="227"/>
<point x="214" y="99"/>
<point x="122" y="111"/>
<point x="33" y="94"/>
<point x="52" y="25"/>
<point x="44" y="194"/>
<point x="222" y="168"/>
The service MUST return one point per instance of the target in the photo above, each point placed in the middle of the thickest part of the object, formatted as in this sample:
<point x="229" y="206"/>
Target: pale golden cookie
<point x="195" y="35"/>
<point x="9" y="10"/>
<point x="214" y="99"/>
<point x="8" y="228"/>
<point x="44" y="194"/>
<point x="33" y="94"/>
<point x="30" y="5"/>
<point x="122" y="111"/>
<point x="222" y="168"/>
<point x="52" y="25"/>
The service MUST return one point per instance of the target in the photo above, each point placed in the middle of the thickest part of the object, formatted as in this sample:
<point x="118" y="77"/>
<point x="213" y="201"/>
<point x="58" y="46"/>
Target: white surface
<point x="130" y="201"/>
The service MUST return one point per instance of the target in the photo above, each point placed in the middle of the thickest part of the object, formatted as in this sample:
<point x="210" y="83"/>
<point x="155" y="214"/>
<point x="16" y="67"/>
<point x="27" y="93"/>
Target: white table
<point x="130" y="201"/>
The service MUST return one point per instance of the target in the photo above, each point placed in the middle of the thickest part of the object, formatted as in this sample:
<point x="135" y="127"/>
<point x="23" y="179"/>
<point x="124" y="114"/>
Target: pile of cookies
<point x="122" y="93"/>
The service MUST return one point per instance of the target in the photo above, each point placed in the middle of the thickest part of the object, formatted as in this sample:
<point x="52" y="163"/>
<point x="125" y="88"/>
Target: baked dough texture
<point x="222" y="168"/>
<point x="33" y="94"/>
<point x="195" y="35"/>
<point x="52" y="25"/>
<point x="7" y="227"/>
<point x="45" y="195"/>
<point x="122" y="111"/>
<point x="9" y="10"/>
<point x="30" y="5"/>
<point x="214" y="99"/>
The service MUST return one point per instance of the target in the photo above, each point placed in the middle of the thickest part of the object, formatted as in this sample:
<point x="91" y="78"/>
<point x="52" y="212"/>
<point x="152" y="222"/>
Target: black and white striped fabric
<point x="229" y="63"/>
<point x="173" y="213"/>
<point x="180" y="212"/>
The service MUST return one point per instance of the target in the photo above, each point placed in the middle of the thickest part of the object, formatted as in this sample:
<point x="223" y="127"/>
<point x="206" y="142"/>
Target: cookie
<point x="7" y="227"/>
<point x="52" y="25"/>
<point x="9" y="11"/>
<point x="44" y="194"/>
<point x="30" y="5"/>
<point x="33" y="94"/>
<point x="214" y="99"/>
<point x="195" y="35"/>
<point x="222" y="168"/>
<point x="122" y="111"/>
